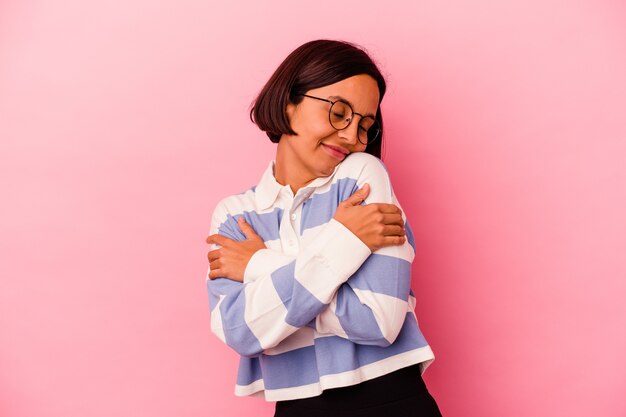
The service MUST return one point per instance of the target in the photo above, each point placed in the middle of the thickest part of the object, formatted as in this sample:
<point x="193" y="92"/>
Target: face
<point x="310" y="151"/>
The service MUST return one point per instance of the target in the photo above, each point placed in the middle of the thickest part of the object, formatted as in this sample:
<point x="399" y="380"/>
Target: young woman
<point x="309" y="276"/>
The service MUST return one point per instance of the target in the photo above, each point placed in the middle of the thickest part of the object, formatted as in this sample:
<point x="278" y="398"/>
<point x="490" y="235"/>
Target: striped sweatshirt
<point x="317" y="309"/>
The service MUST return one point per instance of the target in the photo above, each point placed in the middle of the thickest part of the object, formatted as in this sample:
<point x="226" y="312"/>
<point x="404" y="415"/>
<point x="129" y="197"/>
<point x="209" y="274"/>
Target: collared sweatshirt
<point x="317" y="309"/>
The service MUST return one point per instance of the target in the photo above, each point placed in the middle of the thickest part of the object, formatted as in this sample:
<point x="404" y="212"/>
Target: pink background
<point x="123" y="123"/>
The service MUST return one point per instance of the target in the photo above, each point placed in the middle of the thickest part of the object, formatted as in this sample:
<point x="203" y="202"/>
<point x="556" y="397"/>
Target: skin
<point x="302" y="158"/>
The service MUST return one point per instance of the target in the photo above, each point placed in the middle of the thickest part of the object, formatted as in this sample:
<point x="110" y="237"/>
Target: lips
<point x="338" y="149"/>
<point x="336" y="153"/>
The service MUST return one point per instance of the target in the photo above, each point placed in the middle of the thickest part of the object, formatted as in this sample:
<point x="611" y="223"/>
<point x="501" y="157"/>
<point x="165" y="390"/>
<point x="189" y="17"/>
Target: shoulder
<point x="357" y="162"/>
<point x="228" y="208"/>
<point x="359" y="168"/>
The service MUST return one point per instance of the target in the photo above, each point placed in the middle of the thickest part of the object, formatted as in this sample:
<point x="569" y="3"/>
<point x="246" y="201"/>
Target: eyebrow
<point x="351" y="105"/>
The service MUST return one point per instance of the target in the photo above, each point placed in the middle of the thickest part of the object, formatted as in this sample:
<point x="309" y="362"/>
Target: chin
<point x="332" y="168"/>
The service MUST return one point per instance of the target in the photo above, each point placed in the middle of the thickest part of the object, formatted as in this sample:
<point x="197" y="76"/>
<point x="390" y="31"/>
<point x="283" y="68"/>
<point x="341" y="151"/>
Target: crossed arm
<point x="370" y="307"/>
<point x="335" y="285"/>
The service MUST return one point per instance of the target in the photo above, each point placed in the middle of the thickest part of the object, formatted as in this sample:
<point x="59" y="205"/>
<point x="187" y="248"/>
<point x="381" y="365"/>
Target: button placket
<point x="290" y="230"/>
<point x="288" y="236"/>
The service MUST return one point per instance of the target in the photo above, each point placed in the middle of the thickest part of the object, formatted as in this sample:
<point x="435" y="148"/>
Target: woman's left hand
<point x="231" y="259"/>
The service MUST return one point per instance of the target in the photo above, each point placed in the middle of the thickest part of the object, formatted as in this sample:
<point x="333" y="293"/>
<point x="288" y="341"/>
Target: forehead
<point x="360" y="90"/>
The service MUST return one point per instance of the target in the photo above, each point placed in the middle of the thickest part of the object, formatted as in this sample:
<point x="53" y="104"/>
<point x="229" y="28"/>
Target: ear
<point x="291" y="108"/>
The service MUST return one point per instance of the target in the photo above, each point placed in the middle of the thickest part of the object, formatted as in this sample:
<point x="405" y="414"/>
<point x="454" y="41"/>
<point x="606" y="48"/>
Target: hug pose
<point x="310" y="270"/>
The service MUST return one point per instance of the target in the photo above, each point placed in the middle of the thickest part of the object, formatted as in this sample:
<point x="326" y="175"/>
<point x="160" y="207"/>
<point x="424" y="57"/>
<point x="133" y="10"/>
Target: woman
<point x="309" y="279"/>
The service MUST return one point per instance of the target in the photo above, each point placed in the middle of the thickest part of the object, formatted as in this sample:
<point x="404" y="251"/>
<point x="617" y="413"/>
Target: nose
<point x="350" y="133"/>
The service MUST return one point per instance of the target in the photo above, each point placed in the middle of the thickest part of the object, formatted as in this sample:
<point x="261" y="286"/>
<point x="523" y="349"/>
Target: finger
<point x="218" y="239"/>
<point x="393" y="219"/>
<point x="213" y="255"/>
<point x="386" y="208"/>
<point x="393" y="230"/>
<point x="393" y="240"/>
<point x="358" y="196"/>
<point x="247" y="229"/>
<point x="398" y="240"/>
<point x="215" y="265"/>
<point x="214" y="274"/>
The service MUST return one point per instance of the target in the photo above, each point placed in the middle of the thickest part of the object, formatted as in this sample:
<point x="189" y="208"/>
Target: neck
<point x="289" y="169"/>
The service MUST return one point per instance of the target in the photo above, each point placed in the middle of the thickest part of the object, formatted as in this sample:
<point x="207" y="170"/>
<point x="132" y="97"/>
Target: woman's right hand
<point x="376" y="224"/>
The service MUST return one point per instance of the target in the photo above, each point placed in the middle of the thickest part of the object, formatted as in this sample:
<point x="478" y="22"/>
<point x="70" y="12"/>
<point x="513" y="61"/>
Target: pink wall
<point x="123" y="123"/>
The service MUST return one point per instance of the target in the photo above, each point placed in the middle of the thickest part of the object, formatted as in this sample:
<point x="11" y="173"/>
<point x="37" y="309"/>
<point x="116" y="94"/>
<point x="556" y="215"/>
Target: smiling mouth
<point x="334" y="152"/>
<point x="343" y="151"/>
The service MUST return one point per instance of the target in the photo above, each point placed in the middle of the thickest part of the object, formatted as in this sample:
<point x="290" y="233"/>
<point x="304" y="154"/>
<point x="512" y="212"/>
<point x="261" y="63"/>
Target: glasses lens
<point x="340" y="115"/>
<point x="369" y="130"/>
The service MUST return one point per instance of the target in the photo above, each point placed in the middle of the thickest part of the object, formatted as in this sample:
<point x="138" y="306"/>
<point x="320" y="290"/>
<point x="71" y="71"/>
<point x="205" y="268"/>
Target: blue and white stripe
<point x="317" y="309"/>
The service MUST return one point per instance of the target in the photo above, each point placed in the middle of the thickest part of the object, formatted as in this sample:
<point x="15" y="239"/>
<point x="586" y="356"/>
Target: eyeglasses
<point x="340" y="117"/>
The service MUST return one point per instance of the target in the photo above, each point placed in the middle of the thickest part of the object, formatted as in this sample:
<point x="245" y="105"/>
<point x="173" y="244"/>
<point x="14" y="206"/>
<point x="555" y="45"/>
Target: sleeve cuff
<point x="264" y="262"/>
<point x="345" y="252"/>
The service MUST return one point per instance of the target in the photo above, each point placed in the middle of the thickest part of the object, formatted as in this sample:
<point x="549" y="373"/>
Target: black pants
<point x="399" y="394"/>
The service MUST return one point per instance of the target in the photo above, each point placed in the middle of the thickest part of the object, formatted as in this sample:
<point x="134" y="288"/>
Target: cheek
<point x="313" y="128"/>
<point x="320" y="130"/>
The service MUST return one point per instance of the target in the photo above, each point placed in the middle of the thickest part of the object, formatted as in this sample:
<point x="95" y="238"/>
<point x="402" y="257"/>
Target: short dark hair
<point x="312" y="65"/>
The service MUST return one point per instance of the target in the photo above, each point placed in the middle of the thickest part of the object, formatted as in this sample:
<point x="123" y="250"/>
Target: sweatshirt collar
<point x="268" y="188"/>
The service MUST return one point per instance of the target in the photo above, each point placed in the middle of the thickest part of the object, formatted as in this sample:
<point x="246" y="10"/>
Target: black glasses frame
<point x="332" y="102"/>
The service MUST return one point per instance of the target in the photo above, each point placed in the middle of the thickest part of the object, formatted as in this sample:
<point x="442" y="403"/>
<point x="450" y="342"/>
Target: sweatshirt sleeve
<point x="371" y="306"/>
<point x="256" y="315"/>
